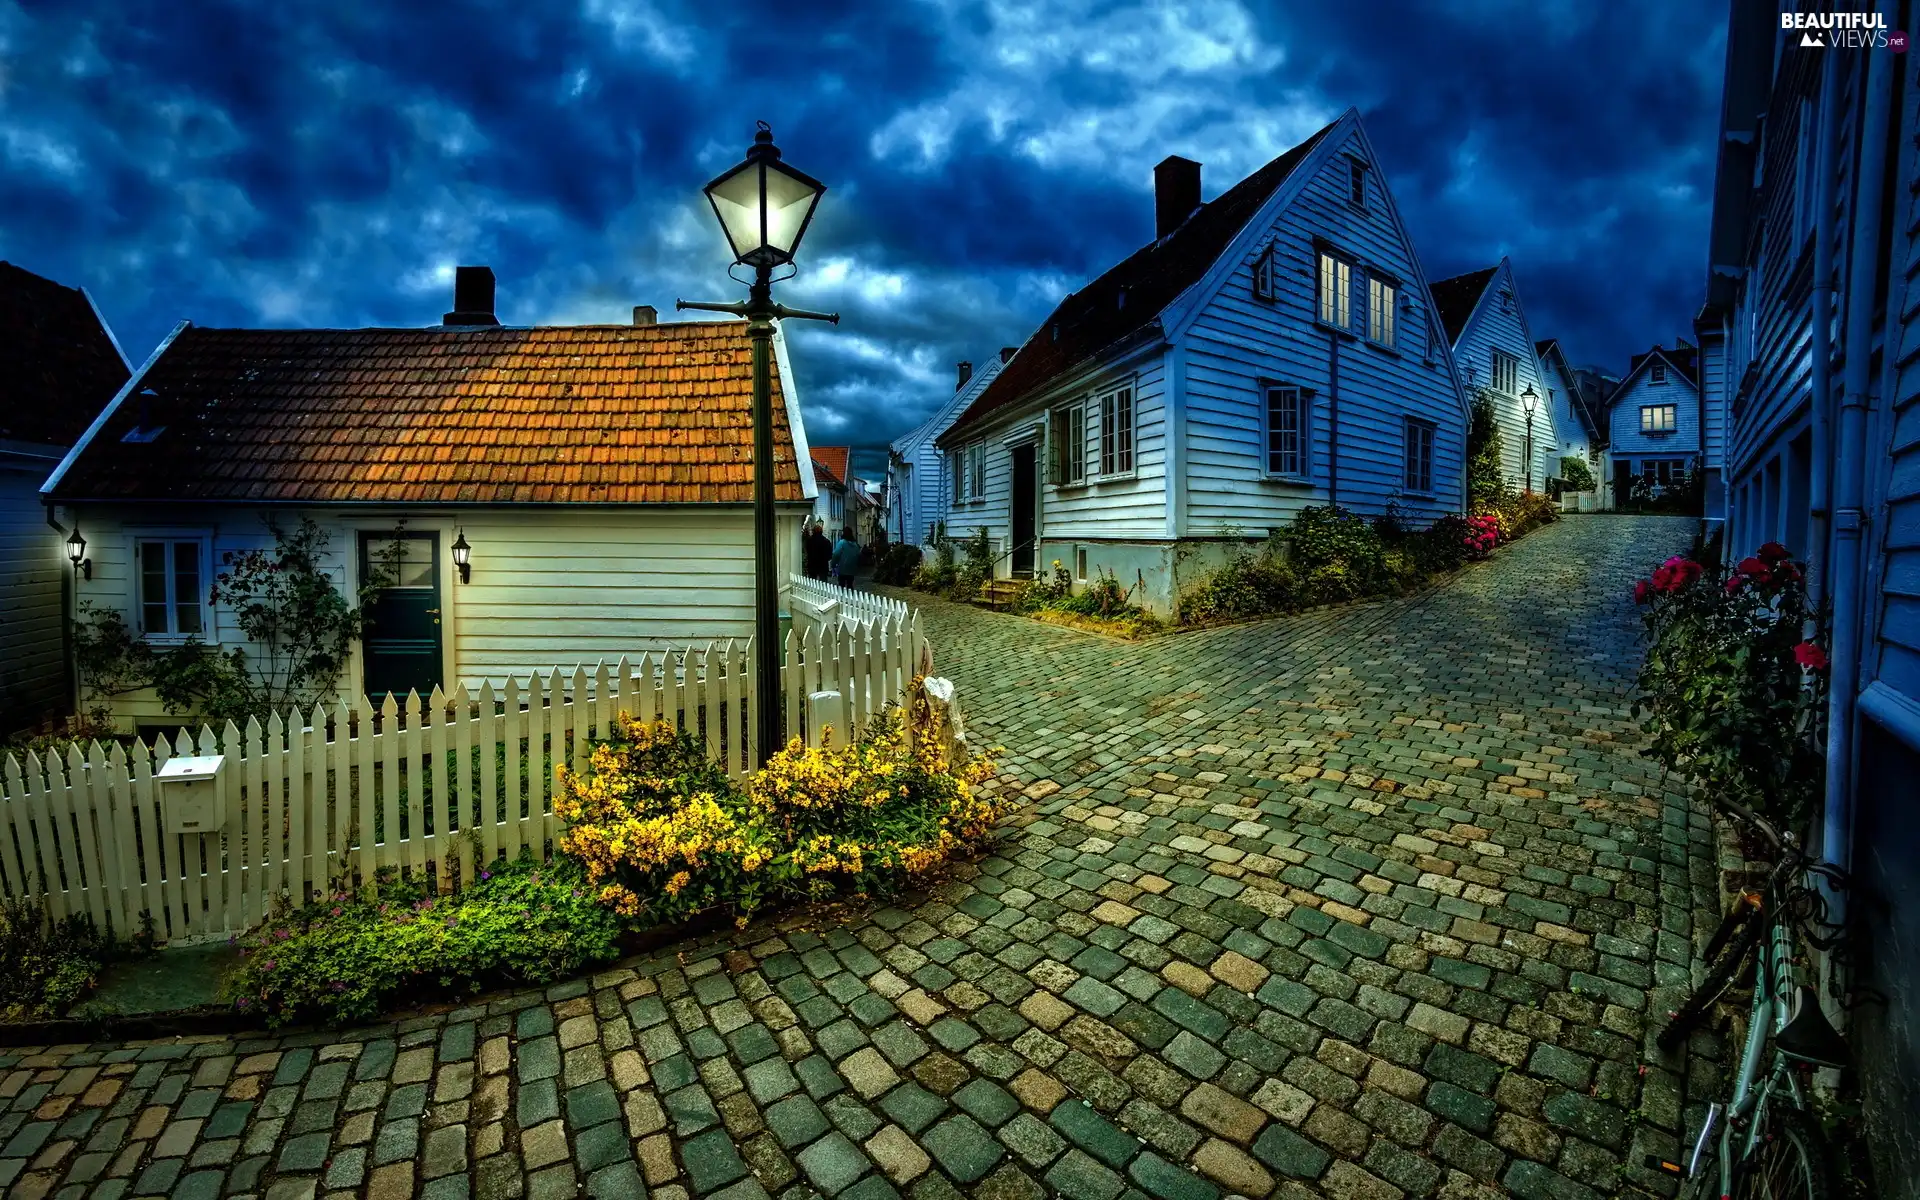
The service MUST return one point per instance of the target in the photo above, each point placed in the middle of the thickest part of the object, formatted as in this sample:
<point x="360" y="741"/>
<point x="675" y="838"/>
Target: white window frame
<point x="1382" y="295"/>
<point x="1419" y="438"/>
<point x="171" y="538"/>
<point x="957" y="462"/>
<point x="1067" y="445"/>
<point x="1511" y="363"/>
<point x="1650" y="424"/>
<point x="1118" y="433"/>
<point x="1333" y="286"/>
<point x="977" y="471"/>
<point x="1263" y="288"/>
<point x="1300" y="403"/>
<point x="1656" y="374"/>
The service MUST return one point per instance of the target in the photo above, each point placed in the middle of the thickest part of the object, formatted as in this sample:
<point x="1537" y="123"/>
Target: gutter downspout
<point x="1333" y="418"/>
<point x="1821" y="337"/>
<point x="69" y="611"/>
<point x="1876" y="143"/>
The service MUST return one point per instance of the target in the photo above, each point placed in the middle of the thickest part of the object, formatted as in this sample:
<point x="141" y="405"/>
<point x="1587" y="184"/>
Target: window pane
<point x="1326" y="287"/>
<point x="1343" y="293"/>
<point x="186" y="587"/>
<point x="153" y="587"/>
<point x="1123" y="429"/>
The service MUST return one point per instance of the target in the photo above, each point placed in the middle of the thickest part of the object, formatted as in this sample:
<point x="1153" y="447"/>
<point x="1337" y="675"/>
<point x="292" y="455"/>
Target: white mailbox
<point x="190" y="794"/>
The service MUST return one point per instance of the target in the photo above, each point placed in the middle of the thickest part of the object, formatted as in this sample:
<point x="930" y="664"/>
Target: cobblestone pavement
<point x="1360" y="904"/>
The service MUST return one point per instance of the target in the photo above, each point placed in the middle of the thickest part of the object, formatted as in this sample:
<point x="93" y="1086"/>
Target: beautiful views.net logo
<point x="1849" y="30"/>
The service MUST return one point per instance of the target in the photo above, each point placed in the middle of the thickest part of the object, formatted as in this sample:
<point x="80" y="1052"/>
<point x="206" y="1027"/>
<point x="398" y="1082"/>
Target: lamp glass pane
<point x="790" y="202"/>
<point x="736" y="199"/>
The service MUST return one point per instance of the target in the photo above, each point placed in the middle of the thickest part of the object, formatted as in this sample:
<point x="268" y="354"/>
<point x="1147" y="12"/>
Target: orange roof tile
<point x="833" y="458"/>
<point x="611" y="414"/>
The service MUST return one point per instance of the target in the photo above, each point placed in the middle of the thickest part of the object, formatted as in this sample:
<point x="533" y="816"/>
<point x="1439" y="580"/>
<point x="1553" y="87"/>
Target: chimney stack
<point x="1007" y="353"/>
<point x="645" y="314"/>
<point x="1176" y="193"/>
<point x="966" y="373"/>
<point x="472" y="297"/>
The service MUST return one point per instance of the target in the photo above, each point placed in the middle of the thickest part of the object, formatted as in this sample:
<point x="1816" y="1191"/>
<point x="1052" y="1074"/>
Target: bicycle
<point x="1763" y="1141"/>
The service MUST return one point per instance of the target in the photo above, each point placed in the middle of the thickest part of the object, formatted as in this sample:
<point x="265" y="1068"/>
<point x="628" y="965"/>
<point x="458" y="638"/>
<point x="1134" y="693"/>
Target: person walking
<point x="816" y="552"/>
<point x="846" y="559"/>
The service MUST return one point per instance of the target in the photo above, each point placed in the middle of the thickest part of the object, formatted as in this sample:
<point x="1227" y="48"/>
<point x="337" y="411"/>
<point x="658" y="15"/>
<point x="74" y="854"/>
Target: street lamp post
<point x="764" y="207"/>
<point x="1529" y="400"/>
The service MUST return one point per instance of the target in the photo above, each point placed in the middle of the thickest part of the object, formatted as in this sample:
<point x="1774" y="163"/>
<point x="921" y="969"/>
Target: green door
<point x="400" y="647"/>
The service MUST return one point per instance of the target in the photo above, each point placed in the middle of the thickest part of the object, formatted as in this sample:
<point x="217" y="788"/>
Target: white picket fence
<point x="431" y="788"/>
<point x="821" y="602"/>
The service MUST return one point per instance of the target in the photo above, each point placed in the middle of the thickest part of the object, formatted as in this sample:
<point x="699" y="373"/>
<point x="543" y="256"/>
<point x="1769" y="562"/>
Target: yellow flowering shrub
<point x="663" y="833"/>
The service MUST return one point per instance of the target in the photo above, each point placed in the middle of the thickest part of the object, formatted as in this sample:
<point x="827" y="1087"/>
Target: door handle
<point x="433" y="612"/>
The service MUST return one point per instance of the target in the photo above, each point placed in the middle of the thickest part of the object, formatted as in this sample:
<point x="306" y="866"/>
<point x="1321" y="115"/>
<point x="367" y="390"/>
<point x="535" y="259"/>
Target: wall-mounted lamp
<point x="77" y="553"/>
<point x="463" y="557"/>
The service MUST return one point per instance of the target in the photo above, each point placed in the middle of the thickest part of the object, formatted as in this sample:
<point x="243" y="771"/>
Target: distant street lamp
<point x="764" y="207"/>
<point x="1529" y="400"/>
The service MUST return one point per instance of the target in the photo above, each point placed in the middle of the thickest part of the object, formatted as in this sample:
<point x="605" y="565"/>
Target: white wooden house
<point x="1575" y="426"/>
<point x="832" y="483"/>
<point x="1810" y="340"/>
<point x="59" y="366"/>
<point x="1494" y="349"/>
<point x="601" y="475"/>
<point x="1269" y="350"/>
<point x="919" y="488"/>
<point x="1654" y="420"/>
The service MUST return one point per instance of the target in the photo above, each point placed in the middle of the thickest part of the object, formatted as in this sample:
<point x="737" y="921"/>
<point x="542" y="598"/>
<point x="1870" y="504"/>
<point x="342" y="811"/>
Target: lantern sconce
<point x="463" y="557"/>
<point x="77" y="554"/>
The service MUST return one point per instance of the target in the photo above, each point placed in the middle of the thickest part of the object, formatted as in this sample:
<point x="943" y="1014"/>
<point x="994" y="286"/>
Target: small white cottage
<point x="600" y="475"/>
<point x="1655" y="420"/>
<point x="1574" y="420"/>
<point x="1494" y="348"/>
<point x="919" y="488"/>
<point x="1270" y="349"/>
<point x="59" y="366"/>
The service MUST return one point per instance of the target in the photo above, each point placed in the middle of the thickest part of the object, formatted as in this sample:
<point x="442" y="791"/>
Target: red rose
<point x="1754" y="568"/>
<point x="1642" y="592"/>
<point x="1811" y="656"/>
<point x="1735" y="583"/>
<point x="1773" y="552"/>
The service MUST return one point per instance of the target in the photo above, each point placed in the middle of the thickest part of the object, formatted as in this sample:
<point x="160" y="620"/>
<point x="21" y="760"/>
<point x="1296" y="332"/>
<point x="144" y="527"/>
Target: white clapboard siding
<point x="427" y="788"/>
<point x="1499" y="322"/>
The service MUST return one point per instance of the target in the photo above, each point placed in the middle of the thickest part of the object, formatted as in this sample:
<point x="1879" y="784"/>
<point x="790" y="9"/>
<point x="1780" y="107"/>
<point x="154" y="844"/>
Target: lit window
<point x="1657" y="418"/>
<point x="173" y="586"/>
<point x="1336" y="291"/>
<point x="1287" y="431"/>
<point x="1380" y="298"/>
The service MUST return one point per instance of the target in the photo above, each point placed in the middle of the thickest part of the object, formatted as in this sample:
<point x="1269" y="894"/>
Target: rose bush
<point x="1731" y="690"/>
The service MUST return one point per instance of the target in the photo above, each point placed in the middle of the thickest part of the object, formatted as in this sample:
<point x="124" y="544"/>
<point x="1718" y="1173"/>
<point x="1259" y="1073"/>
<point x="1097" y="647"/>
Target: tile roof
<point x="833" y="459"/>
<point x="1126" y="301"/>
<point x="1453" y="299"/>
<point x="617" y="414"/>
<point x="58" y="364"/>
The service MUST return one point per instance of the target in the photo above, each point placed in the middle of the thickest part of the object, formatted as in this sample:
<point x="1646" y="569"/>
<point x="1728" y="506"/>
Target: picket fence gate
<point x="818" y="599"/>
<point x="432" y="788"/>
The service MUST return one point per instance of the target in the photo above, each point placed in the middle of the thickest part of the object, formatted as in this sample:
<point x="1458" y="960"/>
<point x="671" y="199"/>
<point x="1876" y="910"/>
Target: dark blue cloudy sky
<point x="295" y="163"/>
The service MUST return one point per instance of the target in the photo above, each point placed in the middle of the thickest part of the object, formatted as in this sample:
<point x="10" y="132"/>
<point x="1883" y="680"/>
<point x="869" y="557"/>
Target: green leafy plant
<point x="936" y="574"/>
<point x="1576" y="473"/>
<point x="346" y="958"/>
<point x="1329" y="536"/>
<point x="897" y="564"/>
<point x="1731" y="692"/>
<point x="1251" y="583"/>
<point x="53" y="965"/>
<point x="1486" y="481"/>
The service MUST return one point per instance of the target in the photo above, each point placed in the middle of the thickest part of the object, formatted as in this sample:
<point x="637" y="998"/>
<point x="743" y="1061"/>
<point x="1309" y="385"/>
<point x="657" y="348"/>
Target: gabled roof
<point x="1683" y="359"/>
<point x="613" y="414"/>
<point x="59" y="365"/>
<point x="945" y="412"/>
<point x="1454" y="299"/>
<point x="833" y="460"/>
<point x="1584" y="405"/>
<point x="1126" y="301"/>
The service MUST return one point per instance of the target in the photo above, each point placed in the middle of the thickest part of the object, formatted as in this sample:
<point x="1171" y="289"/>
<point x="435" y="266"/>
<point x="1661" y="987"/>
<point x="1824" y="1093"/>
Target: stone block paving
<point x="1366" y="903"/>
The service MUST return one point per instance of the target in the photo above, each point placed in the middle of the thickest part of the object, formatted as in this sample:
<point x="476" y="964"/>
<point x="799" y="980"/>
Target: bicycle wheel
<point x="1790" y="1162"/>
<point x="1736" y="941"/>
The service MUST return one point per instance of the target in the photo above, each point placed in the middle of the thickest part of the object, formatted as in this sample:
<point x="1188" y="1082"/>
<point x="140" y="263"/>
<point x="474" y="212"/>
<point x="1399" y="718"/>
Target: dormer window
<point x="1263" y="288"/>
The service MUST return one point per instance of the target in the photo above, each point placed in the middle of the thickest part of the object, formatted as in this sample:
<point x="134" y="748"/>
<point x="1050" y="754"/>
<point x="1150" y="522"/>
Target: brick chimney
<point x="472" y="297"/>
<point x="1176" y="193"/>
<point x="645" y="314"/>
<point x="966" y="373"/>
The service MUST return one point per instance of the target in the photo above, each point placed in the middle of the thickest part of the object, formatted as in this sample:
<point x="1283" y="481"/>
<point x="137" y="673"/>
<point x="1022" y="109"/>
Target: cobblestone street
<point x="1372" y="902"/>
